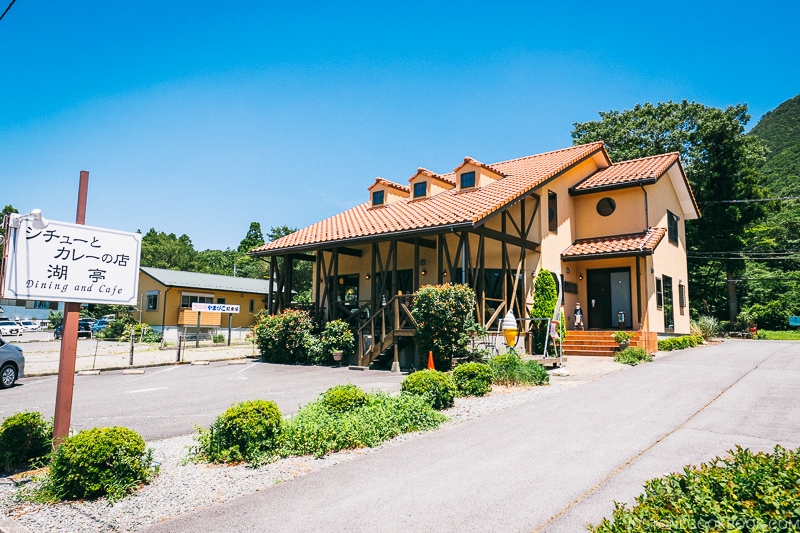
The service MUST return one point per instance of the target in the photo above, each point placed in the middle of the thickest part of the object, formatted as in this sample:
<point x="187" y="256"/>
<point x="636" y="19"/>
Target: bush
<point x="743" y="492"/>
<point x="218" y="339"/>
<point x="24" y="438"/>
<point x="317" y="430"/>
<point x="444" y="315"/>
<point x="473" y="379"/>
<point x="632" y="355"/>
<point x="101" y="461"/>
<point x="510" y="369"/>
<point x="705" y="326"/>
<point x="337" y="336"/>
<point x="247" y="431"/>
<point x="437" y="387"/>
<point x="545" y="299"/>
<point x="342" y="398"/>
<point x="283" y="338"/>
<point x="679" y="343"/>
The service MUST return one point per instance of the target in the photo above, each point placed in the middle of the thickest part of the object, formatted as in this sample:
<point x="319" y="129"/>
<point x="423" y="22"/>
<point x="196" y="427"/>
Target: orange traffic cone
<point x="430" y="361"/>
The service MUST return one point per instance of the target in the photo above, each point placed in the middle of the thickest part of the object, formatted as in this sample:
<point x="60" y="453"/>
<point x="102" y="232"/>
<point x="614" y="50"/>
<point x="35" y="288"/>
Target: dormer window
<point x="377" y="198"/>
<point x="467" y="180"/>
<point x="420" y="189"/>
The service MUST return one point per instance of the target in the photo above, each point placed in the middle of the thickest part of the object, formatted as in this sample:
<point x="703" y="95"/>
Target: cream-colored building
<point x="166" y="298"/>
<point x="613" y="232"/>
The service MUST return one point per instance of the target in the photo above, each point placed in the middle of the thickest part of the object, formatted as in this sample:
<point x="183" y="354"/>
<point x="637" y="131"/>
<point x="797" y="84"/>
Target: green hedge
<point x="679" y="343"/>
<point x="98" y="462"/>
<point x="743" y="492"/>
<point x="24" y="439"/>
<point x="247" y="431"/>
<point x="436" y="387"/>
<point x="632" y="355"/>
<point x="473" y="379"/>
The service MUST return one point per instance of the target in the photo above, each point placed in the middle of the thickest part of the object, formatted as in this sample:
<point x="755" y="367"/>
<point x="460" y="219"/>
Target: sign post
<point x="71" y="263"/>
<point x="214" y="308"/>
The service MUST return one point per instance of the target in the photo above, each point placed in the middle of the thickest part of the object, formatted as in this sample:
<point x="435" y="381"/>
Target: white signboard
<point x="215" y="308"/>
<point x="72" y="263"/>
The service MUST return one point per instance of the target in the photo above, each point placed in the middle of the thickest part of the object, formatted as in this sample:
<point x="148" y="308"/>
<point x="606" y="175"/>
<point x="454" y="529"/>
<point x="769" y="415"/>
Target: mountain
<point x="780" y="131"/>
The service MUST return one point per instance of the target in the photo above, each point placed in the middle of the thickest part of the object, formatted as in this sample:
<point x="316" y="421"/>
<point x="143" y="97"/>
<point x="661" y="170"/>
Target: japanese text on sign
<point x="215" y="308"/>
<point x="72" y="263"/>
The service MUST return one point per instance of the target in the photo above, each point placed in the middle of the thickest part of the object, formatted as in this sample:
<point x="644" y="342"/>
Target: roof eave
<point x="607" y="255"/>
<point x="614" y="187"/>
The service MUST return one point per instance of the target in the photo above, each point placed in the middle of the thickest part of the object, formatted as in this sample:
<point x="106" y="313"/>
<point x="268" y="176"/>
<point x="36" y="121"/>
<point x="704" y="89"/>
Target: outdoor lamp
<point x="39" y="222"/>
<point x="510" y="330"/>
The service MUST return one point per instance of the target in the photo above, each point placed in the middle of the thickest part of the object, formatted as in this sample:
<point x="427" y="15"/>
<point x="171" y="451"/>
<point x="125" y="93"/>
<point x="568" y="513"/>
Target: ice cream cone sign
<point x="510" y="328"/>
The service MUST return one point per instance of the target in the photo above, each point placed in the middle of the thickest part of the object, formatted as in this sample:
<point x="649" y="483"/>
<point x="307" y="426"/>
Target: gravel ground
<point x="181" y="488"/>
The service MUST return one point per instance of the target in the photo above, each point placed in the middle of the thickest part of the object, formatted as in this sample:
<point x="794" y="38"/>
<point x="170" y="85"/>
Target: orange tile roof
<point x="448" y="208"/>
<point x="626" y="174"/>
<point x="383" y="181"/>
<point x="618" y="245"/>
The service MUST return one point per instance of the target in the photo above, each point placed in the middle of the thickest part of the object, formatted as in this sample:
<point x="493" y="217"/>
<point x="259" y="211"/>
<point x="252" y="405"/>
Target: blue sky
<point x="200" y="117"/>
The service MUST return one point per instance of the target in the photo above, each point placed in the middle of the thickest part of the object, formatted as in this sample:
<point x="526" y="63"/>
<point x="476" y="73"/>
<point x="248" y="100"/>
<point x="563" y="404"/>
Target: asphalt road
<point x="168" y="401"/>
<point x="555" y="464"/>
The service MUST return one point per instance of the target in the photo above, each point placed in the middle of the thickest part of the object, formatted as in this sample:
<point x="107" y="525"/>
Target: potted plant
<point x="623" y="338"/>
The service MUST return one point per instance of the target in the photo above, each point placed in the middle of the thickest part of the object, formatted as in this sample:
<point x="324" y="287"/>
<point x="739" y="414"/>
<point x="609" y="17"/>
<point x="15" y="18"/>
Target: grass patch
<point x="509" y="369"/>
<point x="765" y="334"/>
<point x="632" y="355"/>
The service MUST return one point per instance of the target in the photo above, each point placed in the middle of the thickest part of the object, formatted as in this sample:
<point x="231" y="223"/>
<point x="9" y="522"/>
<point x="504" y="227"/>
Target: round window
<point x="606" y="206"/>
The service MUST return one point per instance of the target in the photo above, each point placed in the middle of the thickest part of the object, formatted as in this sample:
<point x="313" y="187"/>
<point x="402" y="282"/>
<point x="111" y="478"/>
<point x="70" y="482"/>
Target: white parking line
<point x="145" y="390"/>
<point x="40" y="381"/>
<point x="246" y="368"/>
<point x="151" y="375"/>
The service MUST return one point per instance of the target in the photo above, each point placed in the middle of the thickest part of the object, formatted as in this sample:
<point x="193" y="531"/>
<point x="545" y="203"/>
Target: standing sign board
<point x="71" y="263"/>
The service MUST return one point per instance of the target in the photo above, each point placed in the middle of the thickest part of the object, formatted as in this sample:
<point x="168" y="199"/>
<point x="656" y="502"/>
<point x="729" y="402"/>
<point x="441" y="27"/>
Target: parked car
<point x="12" y="364"/>
<point x="100" y="325"/>
<point x="29" y="325"/>
<point x="9" y="328"/>
<point x="84" y="328"/>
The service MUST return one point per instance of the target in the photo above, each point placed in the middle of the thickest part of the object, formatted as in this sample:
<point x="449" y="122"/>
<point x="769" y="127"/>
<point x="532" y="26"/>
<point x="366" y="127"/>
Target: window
<point x="606" y="207"/>
<point x="377" y="198"/>
<point x="252" y="306"/>
<point x="188" y="299"/>
<point x="672" y="227"/>
<point x="467" y="180"/>
<point x="221" y="301"/>
<point x="552" y="211"/>
<point x="681" y="295"/>
<point x="669" y="319"/>
<point x="420" y="189"/>
<point x="151" y="301"/>
<point x="659" y="294"/>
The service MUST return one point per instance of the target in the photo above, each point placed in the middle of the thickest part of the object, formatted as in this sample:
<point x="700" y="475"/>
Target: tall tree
<point x="7" y="210"/>
<point x="720" y="162"/>
<point x="161" y="250"/>
<point x="253" y="239"/>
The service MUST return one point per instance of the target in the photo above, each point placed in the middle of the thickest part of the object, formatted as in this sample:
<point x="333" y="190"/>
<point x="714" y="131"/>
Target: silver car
<point x="12" y="364"/>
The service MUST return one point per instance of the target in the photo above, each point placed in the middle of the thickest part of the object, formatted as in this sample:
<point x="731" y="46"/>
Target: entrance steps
<point x="600" y="343"/>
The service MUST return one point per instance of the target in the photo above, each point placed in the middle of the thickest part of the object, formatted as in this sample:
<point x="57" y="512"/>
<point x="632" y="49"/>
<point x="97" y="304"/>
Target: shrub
<point x="101" y="461"/>
<point x="337" y="336"/>
<point x="743" y="492"/>
<point x="283" y="338"/>
<point x="679" y="343"/>
<point x="473" y="379"/>
<point x="217" y="339"/>
<point x="705" y="326"/>
<point x="622" y="336"/>
<point x="444" y="315"/>
<point x="545" y="299"/>
<point x="437" y="387"/>
<point x="343" y="398"/>
<point x="632" y="355"/>
<point x="510" y="369"/>
<point x="24" y="438"/>
<point x="247" y="431"/>
<point x="317" y="430"/>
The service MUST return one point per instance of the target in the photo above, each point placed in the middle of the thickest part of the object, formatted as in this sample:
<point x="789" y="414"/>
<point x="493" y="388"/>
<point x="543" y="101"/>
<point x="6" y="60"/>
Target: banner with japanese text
<point x="72" y="263"/>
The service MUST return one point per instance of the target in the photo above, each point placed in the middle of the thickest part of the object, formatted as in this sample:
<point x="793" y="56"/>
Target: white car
<point x="10" y="328"/>
<point x="28" y="325"/>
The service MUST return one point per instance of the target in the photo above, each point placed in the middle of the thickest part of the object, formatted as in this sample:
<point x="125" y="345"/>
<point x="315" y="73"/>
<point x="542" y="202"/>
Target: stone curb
<point x="10" y="526"/>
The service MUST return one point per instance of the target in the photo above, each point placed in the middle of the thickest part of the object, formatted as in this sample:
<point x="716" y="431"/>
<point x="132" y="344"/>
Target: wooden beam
<point x="303" y="257"/>
<point x="425" y="243"/>
<point x="508" y="239"/>
<point x="349" y="251"/>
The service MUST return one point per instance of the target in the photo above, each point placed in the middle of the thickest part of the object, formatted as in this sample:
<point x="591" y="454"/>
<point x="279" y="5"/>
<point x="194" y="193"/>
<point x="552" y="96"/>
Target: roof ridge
<point x="643" y="158"/>
<point x="600" y="143"/>
<point x="390" y="183"/>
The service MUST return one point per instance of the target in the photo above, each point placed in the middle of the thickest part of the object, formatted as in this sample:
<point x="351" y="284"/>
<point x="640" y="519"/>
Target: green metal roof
<point x="196" y="280"/>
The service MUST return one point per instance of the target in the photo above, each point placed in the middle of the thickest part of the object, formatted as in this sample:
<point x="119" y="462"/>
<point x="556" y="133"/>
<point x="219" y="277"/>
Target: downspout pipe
<point x="646" y="210"/>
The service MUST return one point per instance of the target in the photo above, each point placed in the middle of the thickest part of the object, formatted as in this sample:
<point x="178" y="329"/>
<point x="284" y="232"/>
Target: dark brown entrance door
<point x="598" y="286"/>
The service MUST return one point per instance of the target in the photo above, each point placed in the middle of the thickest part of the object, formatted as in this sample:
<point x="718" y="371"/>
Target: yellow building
<point x="613" y="233"/>
<point x="166" y="298"/>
